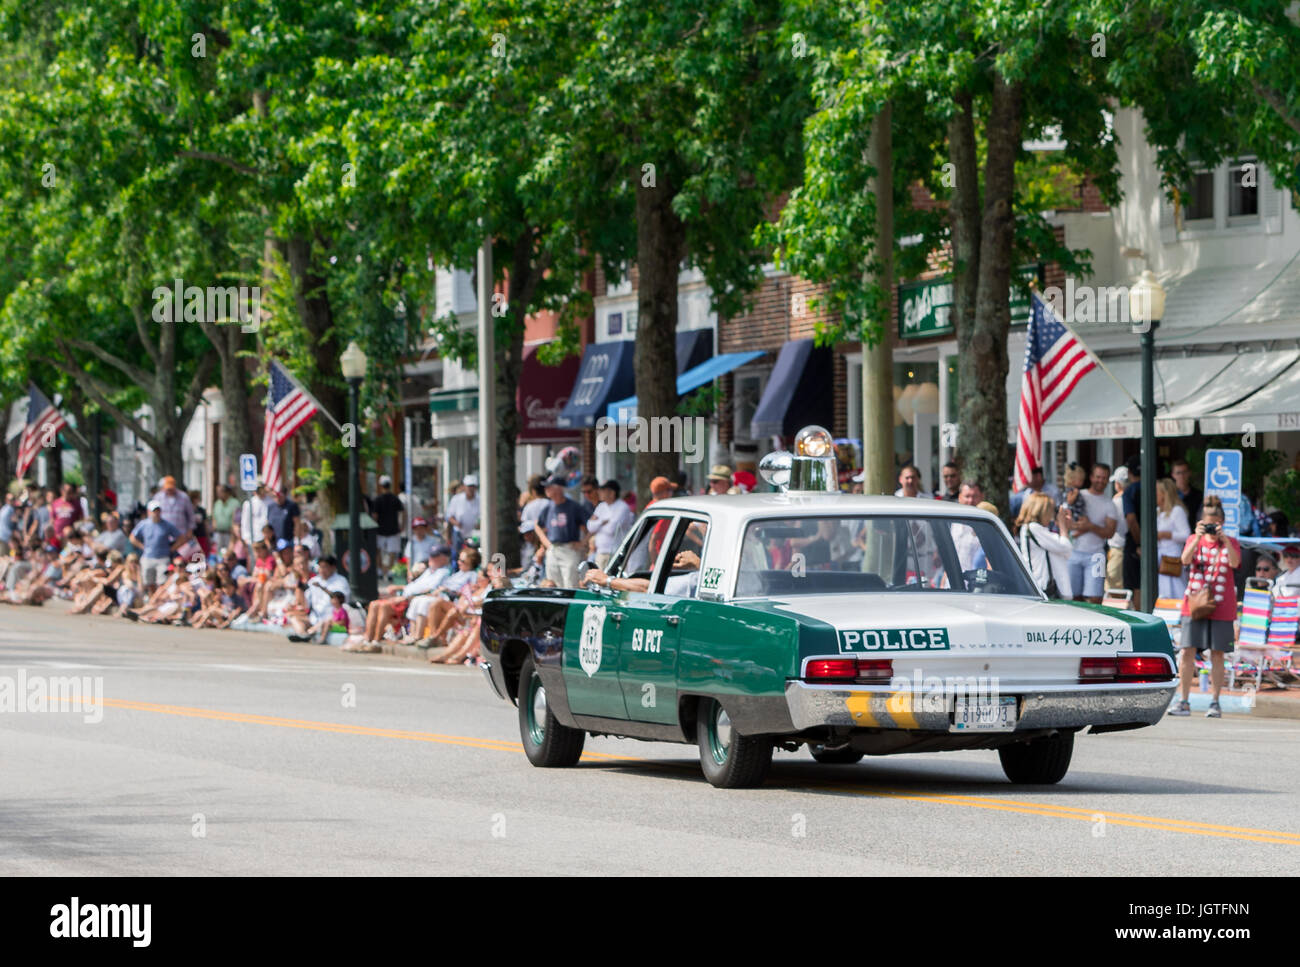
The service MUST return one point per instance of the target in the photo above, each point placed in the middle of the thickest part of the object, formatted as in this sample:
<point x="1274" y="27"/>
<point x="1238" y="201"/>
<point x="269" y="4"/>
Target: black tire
<point x="547" y="743"/>
<point x="1038" y="762"/>
<point x="729" y="760"/>
<point x="835" y="757"/>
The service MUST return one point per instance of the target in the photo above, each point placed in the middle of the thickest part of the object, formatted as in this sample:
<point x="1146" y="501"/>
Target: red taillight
<point x="1126" y="668"/>
<point x="849" y="670"/>
<point x="832" y="669"/>
<point x="1144" y="668"/>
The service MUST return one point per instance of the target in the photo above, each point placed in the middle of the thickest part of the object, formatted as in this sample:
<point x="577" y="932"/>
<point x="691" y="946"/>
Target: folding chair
<point x="1282" y="627"/>
<point x="1171" y="610"/>
<point x="1252" y="653"/>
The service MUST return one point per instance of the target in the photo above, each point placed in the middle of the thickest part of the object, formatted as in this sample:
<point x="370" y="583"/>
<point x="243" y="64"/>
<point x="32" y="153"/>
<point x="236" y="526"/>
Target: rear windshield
<point x="810" y="555"/>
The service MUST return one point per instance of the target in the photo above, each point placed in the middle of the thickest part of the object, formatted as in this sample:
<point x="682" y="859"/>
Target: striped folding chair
<point x="1282" y="627"/>
<point x="1251" y="656"/>
<point x="1171" y="610"/>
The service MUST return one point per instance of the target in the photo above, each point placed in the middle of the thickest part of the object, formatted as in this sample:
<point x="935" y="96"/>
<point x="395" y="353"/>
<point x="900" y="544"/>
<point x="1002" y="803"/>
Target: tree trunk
<point x="984" y="400"/>
<point x="964" y="212"/>
<point x="227" y="340"/>
<point x="660" y="240"/>
<point x="318" y="319"/>
<point x="878" y="356"/>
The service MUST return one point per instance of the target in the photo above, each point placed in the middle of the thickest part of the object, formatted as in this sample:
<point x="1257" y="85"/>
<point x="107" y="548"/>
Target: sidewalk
<point x="1270" y="703"/>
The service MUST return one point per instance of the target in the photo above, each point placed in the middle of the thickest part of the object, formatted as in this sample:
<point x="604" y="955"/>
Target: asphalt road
<point x="224" y="753"/>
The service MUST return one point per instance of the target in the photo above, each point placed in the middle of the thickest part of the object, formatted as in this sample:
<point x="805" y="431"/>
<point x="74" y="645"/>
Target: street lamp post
<point x="1146" y="307"/>
<point x="354" y="371"/>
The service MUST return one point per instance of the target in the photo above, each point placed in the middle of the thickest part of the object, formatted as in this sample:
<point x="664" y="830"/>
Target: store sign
<point x="925" y="308"/>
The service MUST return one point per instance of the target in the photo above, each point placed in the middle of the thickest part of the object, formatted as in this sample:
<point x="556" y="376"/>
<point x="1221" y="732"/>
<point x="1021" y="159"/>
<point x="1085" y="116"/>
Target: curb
<point x="1276" y="707"/>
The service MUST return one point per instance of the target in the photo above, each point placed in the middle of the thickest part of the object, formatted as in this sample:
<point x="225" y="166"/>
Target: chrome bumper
<point x="487" y="671"/>
<point x="1041" y="707"/>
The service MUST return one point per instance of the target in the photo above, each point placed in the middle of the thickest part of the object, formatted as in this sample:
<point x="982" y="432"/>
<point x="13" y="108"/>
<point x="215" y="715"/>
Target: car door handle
<point x="673" y="619"/>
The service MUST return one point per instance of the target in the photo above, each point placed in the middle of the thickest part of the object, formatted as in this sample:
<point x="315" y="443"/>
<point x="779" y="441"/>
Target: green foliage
<point x="1283" y="492"/>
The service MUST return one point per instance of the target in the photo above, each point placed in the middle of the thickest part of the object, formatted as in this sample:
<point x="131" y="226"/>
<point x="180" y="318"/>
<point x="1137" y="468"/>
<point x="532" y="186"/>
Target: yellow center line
<point x="1049" y="810"/>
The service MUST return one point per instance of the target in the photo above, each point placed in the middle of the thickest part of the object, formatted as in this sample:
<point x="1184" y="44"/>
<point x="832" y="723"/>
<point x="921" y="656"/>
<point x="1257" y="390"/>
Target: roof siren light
<point x="810" y="469"/>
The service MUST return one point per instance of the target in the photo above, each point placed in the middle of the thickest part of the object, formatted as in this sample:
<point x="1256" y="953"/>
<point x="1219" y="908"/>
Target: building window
<point x="1243" y="189"/>
<point x="615" y="323"/>
<point x="1198" y="197"/>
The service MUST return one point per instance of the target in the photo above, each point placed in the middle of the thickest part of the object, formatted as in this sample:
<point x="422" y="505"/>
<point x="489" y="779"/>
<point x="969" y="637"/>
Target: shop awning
<point x="453" y="400"/>
<point x="623" y="410"/>
<point x="605" y="374"/>
<point x="694" y="346"/>
<point x="541" y="396"/>
<point x="1274" y="406"/>
<point x="1187" y="388"/>
<point x="799" y="391"/>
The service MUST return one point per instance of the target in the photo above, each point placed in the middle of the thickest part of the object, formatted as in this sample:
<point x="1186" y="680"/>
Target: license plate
<point x="975" y="714"/>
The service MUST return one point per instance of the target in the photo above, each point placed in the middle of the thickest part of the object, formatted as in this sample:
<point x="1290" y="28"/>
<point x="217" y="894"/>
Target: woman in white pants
<point x="1172" y="531"/>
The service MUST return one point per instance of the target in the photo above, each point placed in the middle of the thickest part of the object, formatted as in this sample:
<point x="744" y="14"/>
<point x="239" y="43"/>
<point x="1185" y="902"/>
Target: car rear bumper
<point x="1038" y="707"/>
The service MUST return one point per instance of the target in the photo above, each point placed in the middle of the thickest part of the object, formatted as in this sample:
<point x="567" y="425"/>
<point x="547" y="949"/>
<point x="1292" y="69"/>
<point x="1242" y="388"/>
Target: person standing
<point x="223" y="516"/>
<point x="1132" y="565"/>
<point x="1115" y="544"/>
<point x="562" y="532"/>
<point x="1188" y="495"/>
<point x="252" y="518"/>
<point x="1047" y="554"/>
<point x="951" y="483"/>
<point x="463" y="513"/>
<point x="609" y="523"/>
<point x="65" y="511"/>
<point x="282" y="514"/>
<point x="590" y="489"/>
<point x="156" y="538"/>
<point x="909" y="483"/>
<point x="177" y="508"/>
<point x="387" y="511"/>
<point x="1089" y="533"/>
<point x="1211" y="556"/>
<point x="1172" y="531"/>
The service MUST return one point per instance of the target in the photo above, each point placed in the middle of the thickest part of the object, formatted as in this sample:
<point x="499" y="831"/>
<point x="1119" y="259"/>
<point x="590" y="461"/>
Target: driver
<point x="678" y="585"/>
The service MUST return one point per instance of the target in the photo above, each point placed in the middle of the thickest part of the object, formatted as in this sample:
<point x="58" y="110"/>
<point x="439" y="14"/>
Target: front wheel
<point x="1040" y="761"/>
<point x="729" y="760"/>
<point x="547" y="743"/>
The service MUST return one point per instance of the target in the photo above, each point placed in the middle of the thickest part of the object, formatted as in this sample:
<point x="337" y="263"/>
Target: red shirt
<point x="1223" y="584"/>
<point x="64" y="513"/>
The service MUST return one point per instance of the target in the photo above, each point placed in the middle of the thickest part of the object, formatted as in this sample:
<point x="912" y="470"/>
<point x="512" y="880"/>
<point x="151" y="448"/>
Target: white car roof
<point x="744" y="506"/>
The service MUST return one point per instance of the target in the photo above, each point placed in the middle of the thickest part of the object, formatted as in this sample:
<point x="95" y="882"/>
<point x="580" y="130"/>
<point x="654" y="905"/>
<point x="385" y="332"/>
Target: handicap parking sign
<point x="1223" y="480"/>
<point x="248" y="471"/>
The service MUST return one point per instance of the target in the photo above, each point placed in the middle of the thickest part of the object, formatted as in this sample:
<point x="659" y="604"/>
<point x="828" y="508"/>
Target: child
<point x="336" y="621"/>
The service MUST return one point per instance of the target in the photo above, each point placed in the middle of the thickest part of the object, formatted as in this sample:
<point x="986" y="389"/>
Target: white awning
<point x="1232" y="302"/>
<point x="1275" y="406"/>
<point x="1187" y="388"/>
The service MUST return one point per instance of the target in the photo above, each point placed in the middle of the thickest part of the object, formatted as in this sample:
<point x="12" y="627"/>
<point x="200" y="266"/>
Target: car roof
<point x="817" y="504"/>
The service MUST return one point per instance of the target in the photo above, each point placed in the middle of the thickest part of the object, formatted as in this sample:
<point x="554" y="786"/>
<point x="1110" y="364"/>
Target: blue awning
<point x="606" y="372"/>
<point x="800" y="391"/>
<point x="624" y="410"/>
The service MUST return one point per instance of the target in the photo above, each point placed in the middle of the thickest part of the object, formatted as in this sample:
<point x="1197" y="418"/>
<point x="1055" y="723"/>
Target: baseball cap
<point x="1291" y="550"/>
<point x="554" y="481"/>
<point x="281" y="544"/>
<point x="659" y="483"/>
<point x="471" y="480"/>
<point x="154" y="505"/>
<point x="419" y="522"/>
<point x="440" y="550"/>
<point x="1120" y="476"/>
<point x="859" y="477"/>
<point x="385" y="481"/>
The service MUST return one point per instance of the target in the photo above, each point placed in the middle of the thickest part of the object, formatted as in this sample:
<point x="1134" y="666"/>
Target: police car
<point x="852" y="625"/>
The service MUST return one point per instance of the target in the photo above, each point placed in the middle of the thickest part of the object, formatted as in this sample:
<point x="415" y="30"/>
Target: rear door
<point x="594" y="635"/>
<point x="655" y="621"/>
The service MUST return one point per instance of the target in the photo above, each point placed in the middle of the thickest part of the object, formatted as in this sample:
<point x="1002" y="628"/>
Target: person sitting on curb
<point x="392" y="606"/>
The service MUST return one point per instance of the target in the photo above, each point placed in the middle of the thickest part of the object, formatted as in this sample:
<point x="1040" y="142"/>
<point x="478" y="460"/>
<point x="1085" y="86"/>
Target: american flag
<point x="43" y="421"/>
<point x="1055" y="360"/>
<point x="288" y="406"/>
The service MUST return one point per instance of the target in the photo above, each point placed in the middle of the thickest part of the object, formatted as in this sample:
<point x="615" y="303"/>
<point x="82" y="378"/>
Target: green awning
<point x="453" y="401"/>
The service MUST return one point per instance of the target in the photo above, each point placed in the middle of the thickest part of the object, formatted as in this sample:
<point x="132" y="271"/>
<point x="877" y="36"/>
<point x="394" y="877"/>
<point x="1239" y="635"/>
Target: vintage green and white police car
<point x="854" y="625"/>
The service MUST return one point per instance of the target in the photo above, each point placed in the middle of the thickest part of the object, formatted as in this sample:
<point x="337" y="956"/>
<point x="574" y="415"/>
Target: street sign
<point x="1223" y="480"/>
<point x="248" y="472"/>
<point x="925" y="308"/>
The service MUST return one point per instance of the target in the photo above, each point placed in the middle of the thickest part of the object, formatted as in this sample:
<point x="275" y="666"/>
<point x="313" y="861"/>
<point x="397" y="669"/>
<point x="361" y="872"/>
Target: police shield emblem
<point x="589" y="645"/>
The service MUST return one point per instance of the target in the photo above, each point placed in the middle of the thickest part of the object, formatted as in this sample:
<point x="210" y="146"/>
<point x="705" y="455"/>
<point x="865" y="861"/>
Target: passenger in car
<point x="677" y="585"/>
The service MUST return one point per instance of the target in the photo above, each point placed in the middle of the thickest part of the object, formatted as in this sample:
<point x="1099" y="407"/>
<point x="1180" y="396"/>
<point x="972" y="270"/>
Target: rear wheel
<point x="729" y="760"/>
<point x="845" y="756"/>
<point x="547" y="743"/>
<point x="1039" y="761"/>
